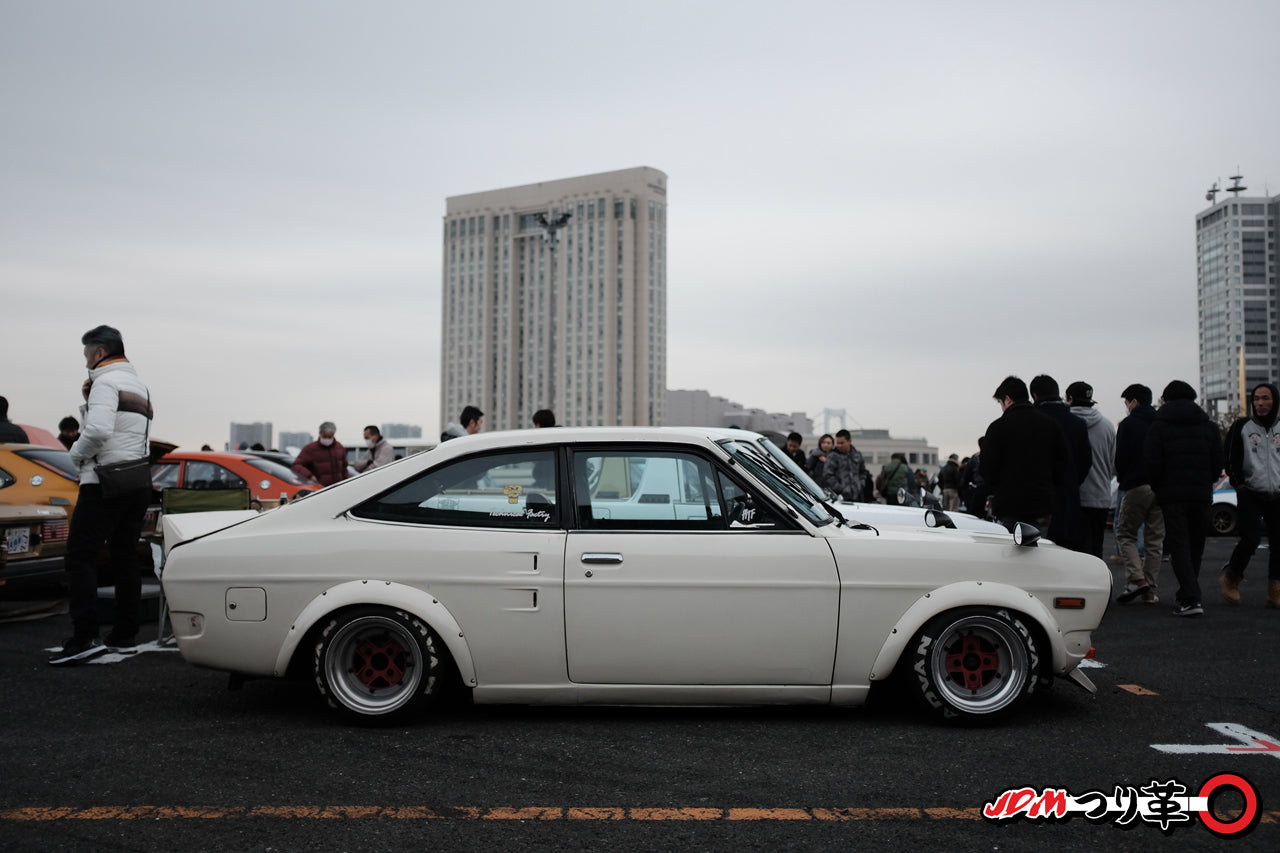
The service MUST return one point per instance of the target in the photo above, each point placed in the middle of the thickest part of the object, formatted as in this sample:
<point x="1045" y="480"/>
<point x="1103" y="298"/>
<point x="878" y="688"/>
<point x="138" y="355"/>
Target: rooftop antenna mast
<point x="1212" y="195"/>
<point x="1235" y="189"/>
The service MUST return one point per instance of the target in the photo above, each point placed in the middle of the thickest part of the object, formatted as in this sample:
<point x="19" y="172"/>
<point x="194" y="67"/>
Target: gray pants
<point x="1139" y="509"/>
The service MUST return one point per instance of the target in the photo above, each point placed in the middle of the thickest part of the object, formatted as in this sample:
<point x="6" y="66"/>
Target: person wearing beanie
<point x="1183" y="456"/>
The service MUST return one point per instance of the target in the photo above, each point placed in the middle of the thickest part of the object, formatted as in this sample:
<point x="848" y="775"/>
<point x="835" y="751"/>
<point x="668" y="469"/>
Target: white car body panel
<point x="810" y="614"/>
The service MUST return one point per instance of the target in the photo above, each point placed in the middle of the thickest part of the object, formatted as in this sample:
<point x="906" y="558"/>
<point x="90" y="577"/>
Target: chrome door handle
<point x="613" y="559"/>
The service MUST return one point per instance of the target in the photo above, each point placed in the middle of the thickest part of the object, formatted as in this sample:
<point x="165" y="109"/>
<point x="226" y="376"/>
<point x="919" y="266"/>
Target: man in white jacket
<point x="116" y="421"/>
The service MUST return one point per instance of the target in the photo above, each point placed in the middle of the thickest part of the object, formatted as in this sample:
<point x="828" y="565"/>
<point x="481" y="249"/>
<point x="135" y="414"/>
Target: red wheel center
<point x="974" y="664"/>
<point x="378" y="662"/>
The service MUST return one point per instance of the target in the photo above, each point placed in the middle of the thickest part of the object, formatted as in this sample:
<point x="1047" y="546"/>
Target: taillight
<point x="55" y="531"/>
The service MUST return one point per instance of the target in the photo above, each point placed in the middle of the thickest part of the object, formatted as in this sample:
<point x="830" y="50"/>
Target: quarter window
<point x="510" y="490"/>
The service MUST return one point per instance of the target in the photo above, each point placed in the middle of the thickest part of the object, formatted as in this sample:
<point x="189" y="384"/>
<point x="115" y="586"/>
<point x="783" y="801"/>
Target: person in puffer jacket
<point x="1253" y="463"/>
<point x="116" y="422"/>
<point x="1183" y="455"/>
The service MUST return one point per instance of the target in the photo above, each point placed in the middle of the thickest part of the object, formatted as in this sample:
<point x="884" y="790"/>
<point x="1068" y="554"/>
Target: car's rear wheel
<point x="1223" y="519"/>
<point x="974" y="664"/>
<point x="376" y="664"/>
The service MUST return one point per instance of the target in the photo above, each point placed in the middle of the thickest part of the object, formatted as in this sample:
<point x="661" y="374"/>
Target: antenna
<point x="1235" y="189"/>
<point x="1212" y="195"/>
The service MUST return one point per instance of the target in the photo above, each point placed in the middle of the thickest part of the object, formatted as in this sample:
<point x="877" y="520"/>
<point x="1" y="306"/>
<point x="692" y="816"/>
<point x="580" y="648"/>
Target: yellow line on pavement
<point x="535" y="813"/>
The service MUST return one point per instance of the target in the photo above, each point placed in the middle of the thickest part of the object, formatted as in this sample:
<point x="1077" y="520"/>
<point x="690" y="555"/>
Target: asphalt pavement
<point x="145" y="752"/>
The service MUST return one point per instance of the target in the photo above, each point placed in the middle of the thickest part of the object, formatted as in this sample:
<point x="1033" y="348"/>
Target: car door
<point x="678" y="573"/>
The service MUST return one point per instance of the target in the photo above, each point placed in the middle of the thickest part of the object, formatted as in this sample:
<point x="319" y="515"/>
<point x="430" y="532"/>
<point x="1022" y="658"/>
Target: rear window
<point x="58" y="461"/>
<point x="275" y="469"/>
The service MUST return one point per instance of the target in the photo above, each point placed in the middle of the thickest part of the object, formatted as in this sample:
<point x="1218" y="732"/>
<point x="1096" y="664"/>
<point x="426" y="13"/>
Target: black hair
<point x="1138" y="392"/>
<point x="106" y="337"/>
<point x="1178" y="390"/>
<point x="1013" y="388"/>
<point x="544" y="418"/>
<point x="373" y="429"/>
<point x="1045" y="387"/>
<point x="469" y="414"/>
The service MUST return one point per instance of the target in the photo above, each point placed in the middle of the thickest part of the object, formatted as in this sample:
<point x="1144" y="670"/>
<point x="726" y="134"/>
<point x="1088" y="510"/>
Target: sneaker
<point x="1149" y="596"/>
<point x="121" y="645"/>
<point x="77" y="650"/>
<point x="1192" y="609"/>
<point x="1130" y="593"/>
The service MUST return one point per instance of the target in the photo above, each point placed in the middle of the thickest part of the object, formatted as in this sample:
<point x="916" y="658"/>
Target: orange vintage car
<point x="33" y="540"/>
<point x="265" y="478"/>
<point x="35" y="475"/>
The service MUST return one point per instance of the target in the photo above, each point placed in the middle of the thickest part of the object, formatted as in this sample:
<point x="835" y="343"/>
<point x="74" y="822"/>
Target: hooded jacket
<point x="1095" y="491"/>
<point x="114" y="420"/>
<point x="1183" y="454"/>
<point x="1253" y="448"/>
<point x="1131" y="436"/>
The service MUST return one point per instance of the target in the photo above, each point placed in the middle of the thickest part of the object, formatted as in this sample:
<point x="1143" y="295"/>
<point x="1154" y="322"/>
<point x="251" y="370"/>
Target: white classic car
<point x="623" y="566"/>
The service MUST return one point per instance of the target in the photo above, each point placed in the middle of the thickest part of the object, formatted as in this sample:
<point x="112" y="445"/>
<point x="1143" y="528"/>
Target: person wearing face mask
<point x="323" y="460"/>
<point x="1253" y="464"/>
<point x="379" y="452"/>
<point x="117" y="424"/>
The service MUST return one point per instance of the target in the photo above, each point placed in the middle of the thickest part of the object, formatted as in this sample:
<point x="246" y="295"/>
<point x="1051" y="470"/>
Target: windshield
<point x="275" y="469"/>
<point x="781" y="480"/>
<point x="810" y="484"/>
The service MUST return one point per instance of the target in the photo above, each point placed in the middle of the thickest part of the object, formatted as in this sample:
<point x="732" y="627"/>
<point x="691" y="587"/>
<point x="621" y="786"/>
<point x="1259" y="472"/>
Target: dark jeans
<point x="1093" y="529"/>
<point x="1185" y="527"/>
<point x="117" y="522"/>
<point x="1252" y="508"/>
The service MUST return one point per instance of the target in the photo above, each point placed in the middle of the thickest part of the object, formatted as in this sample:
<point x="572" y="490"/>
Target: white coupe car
<point x="654" y="566"/>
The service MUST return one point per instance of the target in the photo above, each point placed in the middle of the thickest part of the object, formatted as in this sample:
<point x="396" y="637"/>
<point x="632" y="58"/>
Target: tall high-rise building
<point x="555" y="296"/>
<point x="250" y="434"/>
<point x="1237" y="288"/>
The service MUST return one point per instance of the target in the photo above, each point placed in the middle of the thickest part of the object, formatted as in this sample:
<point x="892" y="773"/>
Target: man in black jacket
<point x="1184" y="458"/>
<point x="1067" y="527"/>
<point x="1024" y="459"/>
<point x="1138" y="508"/>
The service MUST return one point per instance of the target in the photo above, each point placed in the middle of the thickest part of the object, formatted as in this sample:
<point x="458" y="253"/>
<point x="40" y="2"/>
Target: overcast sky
<point x="877" y="207"/>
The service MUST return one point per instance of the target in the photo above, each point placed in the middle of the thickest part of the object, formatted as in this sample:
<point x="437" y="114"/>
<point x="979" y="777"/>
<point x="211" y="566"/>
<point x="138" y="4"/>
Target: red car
<point x="265" y="479"/>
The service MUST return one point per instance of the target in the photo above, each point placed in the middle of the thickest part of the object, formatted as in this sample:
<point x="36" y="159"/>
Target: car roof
<point x="574" y="435"/>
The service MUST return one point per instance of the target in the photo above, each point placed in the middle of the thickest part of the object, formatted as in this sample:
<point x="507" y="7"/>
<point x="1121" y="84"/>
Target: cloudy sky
<point x="877" y="207"/>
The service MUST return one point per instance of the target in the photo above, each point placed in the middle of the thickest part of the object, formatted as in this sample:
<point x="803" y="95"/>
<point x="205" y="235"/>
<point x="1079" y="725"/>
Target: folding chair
<point x="174" y="501"/>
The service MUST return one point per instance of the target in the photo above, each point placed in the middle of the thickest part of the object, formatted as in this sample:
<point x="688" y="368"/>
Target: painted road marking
<point x="1137" y="690"/>
<point x="1251" y="742"/>
<point x="535" y="813"/>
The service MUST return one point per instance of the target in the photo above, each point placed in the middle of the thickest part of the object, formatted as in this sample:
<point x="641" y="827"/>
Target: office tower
<point x="1237" y="288"/>
<point x="555" y="296"/>
<point x="250" y="434"/>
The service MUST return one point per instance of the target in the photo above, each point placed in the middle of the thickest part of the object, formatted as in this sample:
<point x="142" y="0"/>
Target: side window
<point x="511" y="490"/>
<point x="164" y="475"/>
<point x="210" y="475"/>
<point x="620" y="490"/>
<point x="743" y="510"/>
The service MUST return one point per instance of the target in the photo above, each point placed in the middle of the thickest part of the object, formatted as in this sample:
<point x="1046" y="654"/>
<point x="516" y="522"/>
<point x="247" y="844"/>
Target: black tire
<point x="1222" y="518"/>
<point x="376" y="664"/>
<point x="974" y="664"/>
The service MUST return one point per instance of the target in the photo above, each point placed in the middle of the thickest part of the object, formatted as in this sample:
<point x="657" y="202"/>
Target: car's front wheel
<point x="376" y="664"/>
<point x="974" y="664"/>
